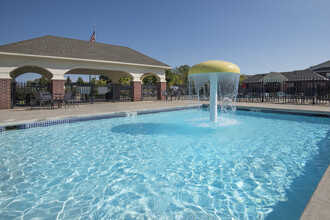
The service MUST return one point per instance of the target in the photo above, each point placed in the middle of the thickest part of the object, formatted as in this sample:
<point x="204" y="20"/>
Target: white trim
<point x="5" y="76"/>
<point x="86" y="60"/>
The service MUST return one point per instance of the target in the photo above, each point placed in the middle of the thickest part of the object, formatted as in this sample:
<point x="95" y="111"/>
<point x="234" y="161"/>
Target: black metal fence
<point x="302" y="91"/>
<point x="91" y="92"/>
<point x="149" y="92"/>
<point x="22" y="92"/>
<point x="124" y="93"/>
<point x="299" y="91"/>
<point x="100" y="93"/>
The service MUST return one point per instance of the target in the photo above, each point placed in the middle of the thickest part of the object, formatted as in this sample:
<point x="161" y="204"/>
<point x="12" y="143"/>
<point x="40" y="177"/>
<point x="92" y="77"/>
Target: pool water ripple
<point x="173" y="165"/>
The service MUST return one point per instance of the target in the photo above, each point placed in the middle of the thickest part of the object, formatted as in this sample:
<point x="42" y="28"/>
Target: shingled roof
<point x="296" y="75"/>
<point x="72" y="48"/>
<point x="302" y="75"/>
<point x="254" y="78"/>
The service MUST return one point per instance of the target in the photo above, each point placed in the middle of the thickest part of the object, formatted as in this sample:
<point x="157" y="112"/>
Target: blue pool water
<point x="171" y="165"/>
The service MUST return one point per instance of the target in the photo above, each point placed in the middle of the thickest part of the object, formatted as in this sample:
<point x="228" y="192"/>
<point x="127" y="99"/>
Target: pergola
<point x="53" y="57"/>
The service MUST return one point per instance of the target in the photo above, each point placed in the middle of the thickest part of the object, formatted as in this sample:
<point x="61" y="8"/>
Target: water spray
<point x="223" y="77"/>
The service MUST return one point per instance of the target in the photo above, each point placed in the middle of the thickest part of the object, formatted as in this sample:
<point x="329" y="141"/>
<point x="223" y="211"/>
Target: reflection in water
<point x="158" y="129"/>
<point x="192" y="128"/>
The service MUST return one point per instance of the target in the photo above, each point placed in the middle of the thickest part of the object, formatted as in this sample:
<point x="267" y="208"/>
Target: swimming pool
<point x="172" y="165"/>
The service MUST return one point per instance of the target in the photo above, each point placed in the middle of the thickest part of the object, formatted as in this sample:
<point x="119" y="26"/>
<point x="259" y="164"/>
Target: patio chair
<point x="35" y="101"/>
<point x="47" y="99"/>
<point x="69" y="98"/>
<point x="74" y="98"/>
<point x="42" y="99"/>
<point x="309" y="94"/>
<point x="165" y="93"/>
<point x="292" y="95"/>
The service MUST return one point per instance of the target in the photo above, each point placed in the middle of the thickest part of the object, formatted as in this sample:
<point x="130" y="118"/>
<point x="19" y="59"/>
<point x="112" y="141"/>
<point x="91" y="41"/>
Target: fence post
<point x="314" y="91"/>
<point x="113" y="92"/>
<point x="328" y="82"/>
<point x="262" y="92"/>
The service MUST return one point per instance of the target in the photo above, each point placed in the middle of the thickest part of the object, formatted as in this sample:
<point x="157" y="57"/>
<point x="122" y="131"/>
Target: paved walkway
<point x="22" y="115"/>
<point x="318" y="206"/>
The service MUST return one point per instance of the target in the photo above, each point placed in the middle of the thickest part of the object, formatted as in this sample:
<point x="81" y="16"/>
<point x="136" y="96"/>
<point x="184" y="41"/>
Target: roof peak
<point x="58" y="37"/>
<point x="55" y="46"/>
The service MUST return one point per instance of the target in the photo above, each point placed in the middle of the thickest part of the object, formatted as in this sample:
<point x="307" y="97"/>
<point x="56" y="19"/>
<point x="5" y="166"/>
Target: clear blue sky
<point x="258" y="35"/>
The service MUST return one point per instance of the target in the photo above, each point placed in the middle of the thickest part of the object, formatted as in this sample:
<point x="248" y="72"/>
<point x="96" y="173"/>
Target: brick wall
<point x="161" y="87"/>
<point x="58" y="87"/>
<point x="5" y="93"/>
<point x="136" y="91"/>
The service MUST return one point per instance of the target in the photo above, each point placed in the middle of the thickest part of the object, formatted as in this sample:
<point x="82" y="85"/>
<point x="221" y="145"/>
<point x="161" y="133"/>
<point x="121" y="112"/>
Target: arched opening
<point x="30" y="69"/>
<point x="149" y="86"/>
<point x="98" y="85"/>
<point x="26" y="80"/>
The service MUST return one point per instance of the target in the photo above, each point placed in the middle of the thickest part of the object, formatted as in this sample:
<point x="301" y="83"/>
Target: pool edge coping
<point x="45" y="122"/>
<point x="285" y="111"/>
<point x="78" y="118"/>
<point x="316" y="207"/>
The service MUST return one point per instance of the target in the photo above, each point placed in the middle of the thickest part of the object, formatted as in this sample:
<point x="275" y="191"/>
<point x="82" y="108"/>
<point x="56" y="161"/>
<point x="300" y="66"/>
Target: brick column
<point x="117" y="91"/>
<point x="161" y="88"/>
<point x="5" y="93"/>
<point x="136" y="91"/>
<point x="58" y="87"/>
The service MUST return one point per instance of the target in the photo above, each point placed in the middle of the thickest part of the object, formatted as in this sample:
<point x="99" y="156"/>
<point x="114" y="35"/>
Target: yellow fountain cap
<point x="214" y="66"/>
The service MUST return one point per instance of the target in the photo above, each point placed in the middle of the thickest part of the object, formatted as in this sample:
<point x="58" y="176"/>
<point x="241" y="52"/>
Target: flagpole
<point x="95" y="34"/>
<point x="94" y="41"/>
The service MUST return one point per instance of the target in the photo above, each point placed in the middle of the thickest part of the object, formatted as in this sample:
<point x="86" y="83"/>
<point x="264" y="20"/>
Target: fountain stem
<point x="213" y="97"/>
<point x="217" y="71"/>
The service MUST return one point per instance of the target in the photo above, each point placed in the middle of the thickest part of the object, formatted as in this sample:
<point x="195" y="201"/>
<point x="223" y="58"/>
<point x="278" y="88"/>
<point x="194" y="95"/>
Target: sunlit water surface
<point x="172" y="165"/>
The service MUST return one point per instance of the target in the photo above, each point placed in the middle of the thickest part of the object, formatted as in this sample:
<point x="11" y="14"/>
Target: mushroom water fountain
<point x="223" y="78"/>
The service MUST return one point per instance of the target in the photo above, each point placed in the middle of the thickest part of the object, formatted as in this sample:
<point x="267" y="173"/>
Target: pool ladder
<point x="130" y="114"/>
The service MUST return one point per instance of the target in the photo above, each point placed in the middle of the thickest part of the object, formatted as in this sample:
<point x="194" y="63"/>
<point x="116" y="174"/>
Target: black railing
<point x="22" y="92"/>
<point x="302" y="91"/>
<point x="124" y="93"/>
<point x="89" y="92"/>
<point x="92" y="92"/>
<point x="149" y="92"/>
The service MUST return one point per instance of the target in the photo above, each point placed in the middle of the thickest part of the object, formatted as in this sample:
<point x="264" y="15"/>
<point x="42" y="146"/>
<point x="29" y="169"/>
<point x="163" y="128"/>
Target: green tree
<point x="242" y="77"/>
<point x="182" y="73"/>
<point x="149" y="80"/>
<point x="178" y="75"/>
<point x="125" y="80"/>
<point x="169" y="76"/>
<point x="68" y="80"/>
<point x="101" y="82"/>
<point x="184" y="69"/>
<point x="42" y="80"/>
<point x="105" y="78"/>
<point x="93" y="81"/>
<point x="80" y="81"/>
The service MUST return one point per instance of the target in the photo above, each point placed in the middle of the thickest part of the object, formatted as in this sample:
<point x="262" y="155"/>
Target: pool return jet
<point x="223" y="78"/>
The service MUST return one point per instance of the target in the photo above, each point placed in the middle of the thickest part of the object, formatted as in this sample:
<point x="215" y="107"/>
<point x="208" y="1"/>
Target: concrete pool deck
<point x="318" y="206"/>
<point x="20" y="115"/>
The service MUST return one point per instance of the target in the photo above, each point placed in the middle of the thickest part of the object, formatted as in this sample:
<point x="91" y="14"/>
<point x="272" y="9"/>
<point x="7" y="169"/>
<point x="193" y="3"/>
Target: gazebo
<point x="53" y="57"/>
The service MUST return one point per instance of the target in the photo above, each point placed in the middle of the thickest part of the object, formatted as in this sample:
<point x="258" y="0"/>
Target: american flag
<point x="92" y="39"/>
